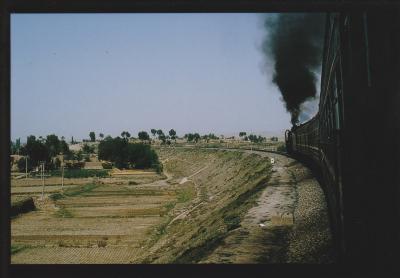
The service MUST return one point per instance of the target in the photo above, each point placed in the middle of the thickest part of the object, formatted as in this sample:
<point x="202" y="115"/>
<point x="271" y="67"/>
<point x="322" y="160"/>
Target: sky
<point x="76" y="73"/>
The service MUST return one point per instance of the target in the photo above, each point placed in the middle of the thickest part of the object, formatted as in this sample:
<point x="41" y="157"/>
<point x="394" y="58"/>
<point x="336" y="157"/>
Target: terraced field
<point x="140" y="217"/>
<point x="93" y="222"/>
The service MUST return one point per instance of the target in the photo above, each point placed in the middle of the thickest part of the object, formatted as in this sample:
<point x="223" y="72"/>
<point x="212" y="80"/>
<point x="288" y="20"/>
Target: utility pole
<point x="26" y="167"/>
<point x="62" y="171"/>
<point x="42" y="167"/>
<point x="62" y="176"/>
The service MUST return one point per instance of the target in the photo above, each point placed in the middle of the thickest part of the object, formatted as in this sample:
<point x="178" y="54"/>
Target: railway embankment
<point x="288" y="223"/>
<point x="247" y="210"/>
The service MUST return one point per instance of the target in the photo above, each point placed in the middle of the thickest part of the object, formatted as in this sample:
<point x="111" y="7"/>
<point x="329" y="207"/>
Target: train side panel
<point x="359" y="102"/>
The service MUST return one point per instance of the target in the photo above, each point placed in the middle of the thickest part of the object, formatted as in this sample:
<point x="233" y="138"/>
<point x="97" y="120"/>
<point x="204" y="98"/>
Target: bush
<point x="21" y="206"/>
<point x="107" y="165"/>
<point x="81" y="173"/>
<point x="74" y="165"/>
<point x="158" y="167"/>
<point x="232" y="221"/>
<point x="281" y="148"/>
<point x="88" y="149"/>
<point x="101" y="243"/>
<point x="57" y="163"/>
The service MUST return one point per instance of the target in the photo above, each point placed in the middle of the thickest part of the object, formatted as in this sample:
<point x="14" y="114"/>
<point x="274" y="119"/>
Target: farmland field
<point x="94" y="221"/>
<point x="123" y="218"/>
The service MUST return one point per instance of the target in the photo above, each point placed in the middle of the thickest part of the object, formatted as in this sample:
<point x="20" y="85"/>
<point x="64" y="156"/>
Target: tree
<point x="196" y="137"/>
<point x="172" y="134"/>
<point x="242" y="134"/>
<point x="17" y="145"/>
<point x="126" y="155"/>
<point x="153" y="132"/>
<point x="101" y="135"/>
<point x="274" y="138"/>
<point x="78" y="156"/>
<point x="13" y="149"/>
<point x="159" y="132"/>
<point x="92" y="136"/>
<point x="256" y="139"/>
<point x="212" y="136"/>
<point x="189" y="137"/>
<point x="143" y="136"/>
<point x="57" y="163"/>
<point x="163" y="138"/>
<point x="64" y="147"/>
<point x="252" y="137"/>
<point x="87" y="149"/>
<point x="126" y="135"/>
<point x="53" y="144"/>
<point x="36" y="150"/>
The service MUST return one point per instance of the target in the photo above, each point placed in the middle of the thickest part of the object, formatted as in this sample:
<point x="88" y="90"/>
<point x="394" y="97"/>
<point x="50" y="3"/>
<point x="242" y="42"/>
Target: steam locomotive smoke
<point x="294" y="42"/>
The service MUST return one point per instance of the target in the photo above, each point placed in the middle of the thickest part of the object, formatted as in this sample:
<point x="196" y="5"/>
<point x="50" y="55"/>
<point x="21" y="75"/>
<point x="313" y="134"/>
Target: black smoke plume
<point x="295" y="43"/>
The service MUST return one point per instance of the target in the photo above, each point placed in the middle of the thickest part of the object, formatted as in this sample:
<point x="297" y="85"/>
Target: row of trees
<point x="128" y="155"/>
<point x="16" y="146"/>
<point x="42" y="149"/>
<point x="142" y="135"/>
<point x="165" y="139"/>
<point x="255" y="138"/>
<point x="192" y="137"/>
<point x="195" y="137"/>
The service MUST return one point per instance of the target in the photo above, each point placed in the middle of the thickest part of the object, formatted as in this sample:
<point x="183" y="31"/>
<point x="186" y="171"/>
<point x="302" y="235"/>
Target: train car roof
<point x="305" y="123"/>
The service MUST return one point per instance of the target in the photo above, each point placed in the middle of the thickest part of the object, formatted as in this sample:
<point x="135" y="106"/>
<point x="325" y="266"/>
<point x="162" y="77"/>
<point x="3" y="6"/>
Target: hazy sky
<point x="74" y="73"/>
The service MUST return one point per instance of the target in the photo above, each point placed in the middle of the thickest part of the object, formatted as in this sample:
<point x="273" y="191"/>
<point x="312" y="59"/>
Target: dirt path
<point x="197" y="200"/>
<point x="284" y="222"/>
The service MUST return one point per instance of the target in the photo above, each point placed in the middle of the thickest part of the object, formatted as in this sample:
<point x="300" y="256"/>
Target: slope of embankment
<point x="221" y="187"/>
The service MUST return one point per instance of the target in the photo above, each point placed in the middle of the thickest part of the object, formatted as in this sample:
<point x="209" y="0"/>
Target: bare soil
<point x="209" y="206"/>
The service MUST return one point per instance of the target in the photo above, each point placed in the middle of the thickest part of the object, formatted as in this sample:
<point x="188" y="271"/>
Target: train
<point x="352" y="143"/>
